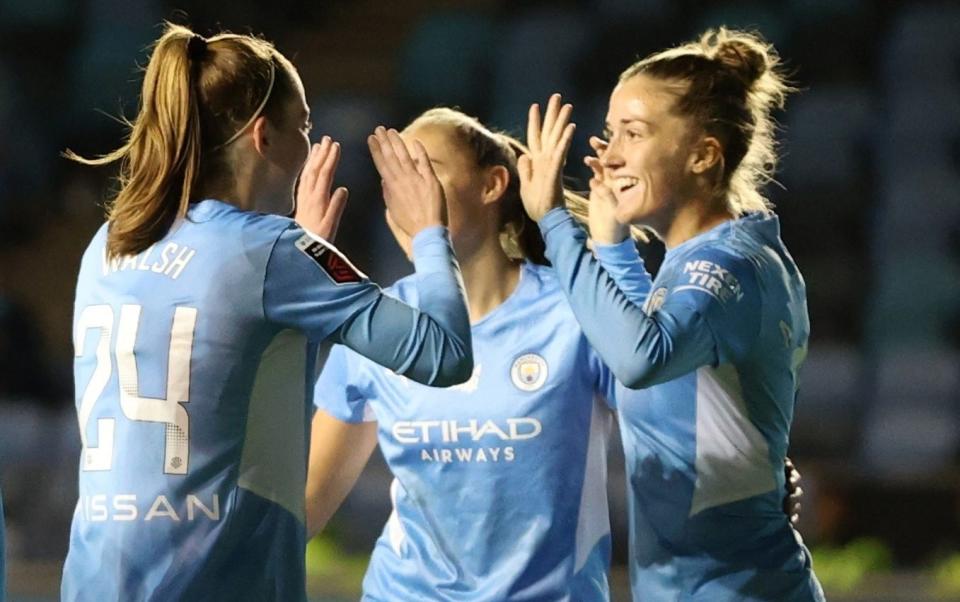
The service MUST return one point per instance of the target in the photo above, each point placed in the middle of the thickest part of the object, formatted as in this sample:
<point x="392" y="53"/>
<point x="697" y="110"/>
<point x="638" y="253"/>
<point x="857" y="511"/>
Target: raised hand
<point x="317" y="211"/>
<point x="604" y="227"/>
<point x="411" y="190"/>
<point x="541" y="169"/>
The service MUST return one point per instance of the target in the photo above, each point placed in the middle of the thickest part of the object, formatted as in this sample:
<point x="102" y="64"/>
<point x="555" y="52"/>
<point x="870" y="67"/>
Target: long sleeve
<point x="624" y="264"/>
<point x="704" y="320"/>
<point x="310" y="286"/>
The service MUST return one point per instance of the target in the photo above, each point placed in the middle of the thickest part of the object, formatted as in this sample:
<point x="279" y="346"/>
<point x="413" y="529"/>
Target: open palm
<point x="541" y="169"/>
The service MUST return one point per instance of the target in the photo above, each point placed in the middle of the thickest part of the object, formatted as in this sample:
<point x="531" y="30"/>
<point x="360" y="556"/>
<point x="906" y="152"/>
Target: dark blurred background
<point x="868" y="193"/>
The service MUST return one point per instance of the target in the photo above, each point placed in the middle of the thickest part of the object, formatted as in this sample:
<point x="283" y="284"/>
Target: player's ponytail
<point x="730" y="81"/>
<point x="160" y="160"/>
<point x="198" y="96"/>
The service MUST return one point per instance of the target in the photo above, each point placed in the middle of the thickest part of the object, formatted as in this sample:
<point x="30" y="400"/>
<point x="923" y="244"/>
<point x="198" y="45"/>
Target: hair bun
<point x="744" y="54"/>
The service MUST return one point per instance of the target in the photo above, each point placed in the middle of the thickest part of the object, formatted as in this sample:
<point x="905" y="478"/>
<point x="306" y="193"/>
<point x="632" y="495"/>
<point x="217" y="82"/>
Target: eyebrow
<point x="606" y="124"/>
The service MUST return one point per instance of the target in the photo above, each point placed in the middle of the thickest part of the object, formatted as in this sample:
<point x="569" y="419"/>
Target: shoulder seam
<point x="266" y="266"/>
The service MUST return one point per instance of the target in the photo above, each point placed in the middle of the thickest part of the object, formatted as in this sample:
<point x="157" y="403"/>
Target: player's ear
<point x="705" y="155"/>
<point x="495" y="184"/>
<point x="259" y="131"/>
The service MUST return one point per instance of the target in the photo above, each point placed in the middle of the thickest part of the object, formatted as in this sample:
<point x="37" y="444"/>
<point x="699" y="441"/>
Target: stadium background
<point x="869" y="197"/>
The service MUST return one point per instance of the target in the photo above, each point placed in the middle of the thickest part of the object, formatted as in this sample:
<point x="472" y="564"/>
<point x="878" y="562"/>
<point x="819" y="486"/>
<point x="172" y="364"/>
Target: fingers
<point x="384" y="154"/>
<point x="328" y="167"/>
<point x="555" y="120"/>
<point x="550" y="118"/>
<point x="308" y="177"/>
<point x="554" y="128"/>
<point x="563" y="146"/>
<point x="399" y="148"/>
<point x="302" y="185"/>
<point x="391" y="156"/>
<point x="422" y="161"/>
<point x="331" y="220"/>
<point x="599" y="145"/>
<point x="561" y="123"/>
<point x="525" y="168"/>
<point x="379" y="161"/>
<point x="596" y="167"/>
<point x="533" y="128"/>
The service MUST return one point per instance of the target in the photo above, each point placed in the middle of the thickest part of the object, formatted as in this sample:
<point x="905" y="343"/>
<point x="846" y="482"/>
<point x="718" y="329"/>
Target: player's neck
<point x="694" y="218"/>
<point x="489" y="277"/>
<point x="238" y="190"/>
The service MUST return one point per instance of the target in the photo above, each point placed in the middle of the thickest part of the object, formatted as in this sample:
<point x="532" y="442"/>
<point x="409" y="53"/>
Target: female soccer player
<point x="716" y="340"/>
<point x="198" y="319"/>
<point x="500" y="483"/>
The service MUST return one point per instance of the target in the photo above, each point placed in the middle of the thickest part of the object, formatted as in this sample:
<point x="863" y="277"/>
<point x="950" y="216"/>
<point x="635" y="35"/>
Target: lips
<point x="624" y="183"/>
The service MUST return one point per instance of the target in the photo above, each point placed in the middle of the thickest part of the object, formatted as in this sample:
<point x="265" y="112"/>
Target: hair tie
<point x="196" y="47"/>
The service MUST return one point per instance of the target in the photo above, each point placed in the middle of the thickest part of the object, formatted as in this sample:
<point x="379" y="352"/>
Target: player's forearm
<point x="443" y="301"/>
<point x="640" y="351"/>
<point x="430" y="345"/>
<point x="338" y="453"/>
<point x="624" y="264"/>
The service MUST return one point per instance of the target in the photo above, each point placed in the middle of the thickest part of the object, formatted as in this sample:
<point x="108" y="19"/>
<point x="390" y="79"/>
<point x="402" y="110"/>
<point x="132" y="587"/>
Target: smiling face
<point x="648" y="153"/>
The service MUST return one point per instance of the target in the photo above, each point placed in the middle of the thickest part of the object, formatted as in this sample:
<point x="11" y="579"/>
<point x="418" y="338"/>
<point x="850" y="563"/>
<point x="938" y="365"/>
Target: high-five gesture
<point x="604" y="227"/>
<point x="317" y="211"/>
<point x="411" y="190"/>
<point x="541" y="170"/>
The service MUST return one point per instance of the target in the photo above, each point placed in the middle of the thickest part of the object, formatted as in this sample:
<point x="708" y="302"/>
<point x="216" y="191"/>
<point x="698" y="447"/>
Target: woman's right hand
<point x="317" y="210"/>
<point x="603" y="224"/>
<point x="411" y="190"/>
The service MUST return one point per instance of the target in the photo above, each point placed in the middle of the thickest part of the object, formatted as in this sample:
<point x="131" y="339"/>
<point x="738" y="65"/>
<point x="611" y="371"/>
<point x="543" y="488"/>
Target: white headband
<point x="263" y="103"/>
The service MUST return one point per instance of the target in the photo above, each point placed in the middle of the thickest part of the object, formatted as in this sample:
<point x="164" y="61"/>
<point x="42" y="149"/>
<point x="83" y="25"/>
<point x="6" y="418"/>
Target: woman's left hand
<point x="541" y="169"/>
<point x="603" y="224"/>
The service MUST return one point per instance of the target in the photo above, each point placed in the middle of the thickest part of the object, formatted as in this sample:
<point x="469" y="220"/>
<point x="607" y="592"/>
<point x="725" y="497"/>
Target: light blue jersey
<point x="193" y="363"/>
<point x="714" y="344"/>
<point x="500" y="483"/>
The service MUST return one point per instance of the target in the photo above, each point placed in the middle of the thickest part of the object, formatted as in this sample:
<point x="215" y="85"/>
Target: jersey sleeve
<point x="624" y="264"/>
<point x="605" y="384"/>
<point x="711" y="315"/>
<point x="311" y="287"/>
<point x="344" y="389"/>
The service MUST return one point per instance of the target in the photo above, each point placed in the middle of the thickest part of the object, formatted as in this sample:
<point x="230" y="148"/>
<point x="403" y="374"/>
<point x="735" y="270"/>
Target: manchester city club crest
<point x="529" y="372"/>
<point x="655" y="301"/>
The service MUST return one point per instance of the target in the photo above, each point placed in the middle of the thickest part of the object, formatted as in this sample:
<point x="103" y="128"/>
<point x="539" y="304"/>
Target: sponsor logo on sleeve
<point x="335" y="265"/>
<point x="712" y="279"/>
